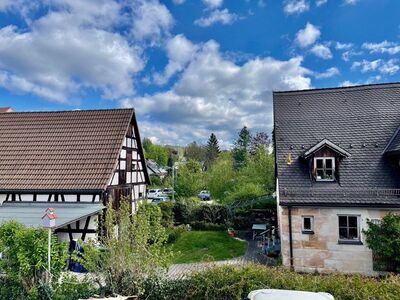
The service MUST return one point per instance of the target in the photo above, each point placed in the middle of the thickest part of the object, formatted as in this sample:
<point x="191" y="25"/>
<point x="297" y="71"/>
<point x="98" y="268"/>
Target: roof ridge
<point x="72" y="111"/>
<point x="344" y="88"/>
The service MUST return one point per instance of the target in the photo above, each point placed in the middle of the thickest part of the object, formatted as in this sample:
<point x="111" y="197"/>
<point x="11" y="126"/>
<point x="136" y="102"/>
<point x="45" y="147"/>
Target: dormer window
<point x="323" y="160"/>
<point x="324" y="168"/>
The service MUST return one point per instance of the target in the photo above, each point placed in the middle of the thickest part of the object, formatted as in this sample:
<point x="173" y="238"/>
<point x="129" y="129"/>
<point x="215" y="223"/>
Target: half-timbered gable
<point x="71" y="159"/>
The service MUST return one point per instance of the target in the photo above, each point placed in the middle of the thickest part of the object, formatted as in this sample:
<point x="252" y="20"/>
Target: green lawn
<point x="196" y="246"/>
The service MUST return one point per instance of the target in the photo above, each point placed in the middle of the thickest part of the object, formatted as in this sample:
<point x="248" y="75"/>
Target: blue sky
<point x="190" y="67"/>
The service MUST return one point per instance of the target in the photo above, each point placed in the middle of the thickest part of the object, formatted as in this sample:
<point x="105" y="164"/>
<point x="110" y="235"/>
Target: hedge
<point x="235" y="282"/>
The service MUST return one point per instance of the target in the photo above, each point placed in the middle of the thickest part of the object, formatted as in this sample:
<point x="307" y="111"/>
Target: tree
<point x="195" y="151"/>
<point x="259" y="169"/>
<point x="212" y="151"/>
<point x="260" y="140"/>
<point x="189" y="180"/>
<point x="241" y="148"/>
<point x="147" y="143"/>
<point x="384" y="241"/>
<point x="155" y="152"/>
<point x="134" y="249"/>
<point x="221" y="177"/>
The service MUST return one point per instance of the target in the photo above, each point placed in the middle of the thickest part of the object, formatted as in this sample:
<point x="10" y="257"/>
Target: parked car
<point x="159" y="199"/>
<point x="168" y="191"/>
<point x="153" y="193"/>
<point x="204" y="195"/>
<point x="271" y="294"/>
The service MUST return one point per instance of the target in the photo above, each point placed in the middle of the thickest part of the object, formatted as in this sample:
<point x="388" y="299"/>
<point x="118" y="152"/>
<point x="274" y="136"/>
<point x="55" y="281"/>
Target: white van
<point x="269" y="294"/>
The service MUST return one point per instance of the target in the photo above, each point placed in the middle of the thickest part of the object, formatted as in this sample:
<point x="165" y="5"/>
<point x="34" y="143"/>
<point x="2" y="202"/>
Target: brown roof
<point x="6" y="109"/>
<point x="69" y="150"/>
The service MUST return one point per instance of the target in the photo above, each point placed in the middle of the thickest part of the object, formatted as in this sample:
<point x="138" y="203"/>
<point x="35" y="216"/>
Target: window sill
<point x="307" y="232"/>
<point x="342" y="242"/>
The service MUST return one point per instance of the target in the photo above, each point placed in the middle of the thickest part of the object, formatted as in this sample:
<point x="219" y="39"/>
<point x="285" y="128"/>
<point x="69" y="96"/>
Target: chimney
<point x="6" y="109"/>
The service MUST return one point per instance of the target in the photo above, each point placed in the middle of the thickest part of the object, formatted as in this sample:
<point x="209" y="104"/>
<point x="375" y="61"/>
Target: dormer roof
<point x="325" y="144"/>
<point x="393" y="147"/>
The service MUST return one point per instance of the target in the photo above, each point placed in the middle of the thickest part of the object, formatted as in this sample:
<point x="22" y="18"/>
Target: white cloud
<point x="321" y="51"/>
<point x="179" y="52"/>
<point x="366" y="66"/>
<point x="320" y="2"/>
<point x="389" y="67"/>
<point x="350" y="2"/>
<point x="151" y="20"/>
<point x="295" y="6"/>
<point x="213" y="3"/>
<point x="217" y="16"/>
<point x="343" y="46"/>
<point x="328" y="73"/>
<point x="73" y="47"/>
<point x="214" y="94"/>
<point x="261" y="3"/>
<point x="383" y="47"/>
<point x="307" y="36"/>
<point x="348" y="83"/>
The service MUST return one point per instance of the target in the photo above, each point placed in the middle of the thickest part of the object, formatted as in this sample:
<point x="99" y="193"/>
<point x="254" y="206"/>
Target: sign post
<point x="49" y="221"/>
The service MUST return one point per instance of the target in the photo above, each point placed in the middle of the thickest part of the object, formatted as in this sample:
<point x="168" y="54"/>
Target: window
<point x="324" y="168"/>
<point x="308" y="225"/>
<point x="349" y="228"/>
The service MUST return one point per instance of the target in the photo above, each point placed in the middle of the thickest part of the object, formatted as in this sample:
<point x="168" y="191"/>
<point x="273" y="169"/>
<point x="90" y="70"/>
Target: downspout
<point x="290" y="237"/>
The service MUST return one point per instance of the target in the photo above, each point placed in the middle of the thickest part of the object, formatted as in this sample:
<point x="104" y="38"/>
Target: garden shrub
<point x="167" y="213"/>
<point x="384" y="241"/>
<point x="183" y="210"/>
<point x="205" y="226"/>
<point x="175" y="233"/>
<point x="235" y="282"/>
<point x="245" y="191"/>
<point x="211" y="213"/>
<point x="135" y="249"/>
<point x="25" y="255"/>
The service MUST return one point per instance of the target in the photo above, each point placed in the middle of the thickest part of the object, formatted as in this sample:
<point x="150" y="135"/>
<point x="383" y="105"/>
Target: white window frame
<point x="311" y="230"/>
<point x="358" y="240"/>
<point x="324" y="159"/>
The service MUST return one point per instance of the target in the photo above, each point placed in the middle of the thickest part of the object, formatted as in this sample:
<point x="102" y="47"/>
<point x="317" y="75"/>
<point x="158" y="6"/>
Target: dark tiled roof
<point x="71" y="150"/>
<point x="360" y="120"/>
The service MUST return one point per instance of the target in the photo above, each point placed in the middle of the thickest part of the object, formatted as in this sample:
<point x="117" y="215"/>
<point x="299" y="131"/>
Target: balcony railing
<point x="341" y="192"/>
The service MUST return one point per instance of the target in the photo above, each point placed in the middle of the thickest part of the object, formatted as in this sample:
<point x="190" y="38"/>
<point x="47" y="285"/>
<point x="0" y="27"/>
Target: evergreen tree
<point x="212" y="151"/>
<point x="241" y="148"/>
<point x="260" y="140"/>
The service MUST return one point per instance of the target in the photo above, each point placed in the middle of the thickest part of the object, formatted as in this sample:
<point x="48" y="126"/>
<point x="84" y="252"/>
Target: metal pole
<point x="49" y="256"/>
<point x="173" y="182"/>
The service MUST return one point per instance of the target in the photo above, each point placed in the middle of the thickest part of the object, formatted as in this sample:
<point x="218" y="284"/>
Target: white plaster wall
<point x="321" y="251"/>
<point x="64" y="236"/>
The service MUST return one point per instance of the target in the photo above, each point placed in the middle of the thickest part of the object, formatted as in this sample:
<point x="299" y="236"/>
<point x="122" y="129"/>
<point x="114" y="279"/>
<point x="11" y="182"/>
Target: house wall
<point x="51" y="197"/>
<point x="80" y="224"/>
<point x="320" y="251"/>
<point x="129" y="171"/>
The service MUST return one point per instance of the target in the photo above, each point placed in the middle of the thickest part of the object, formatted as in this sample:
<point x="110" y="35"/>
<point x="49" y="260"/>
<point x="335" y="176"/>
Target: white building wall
<point x="64" y="236"/>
